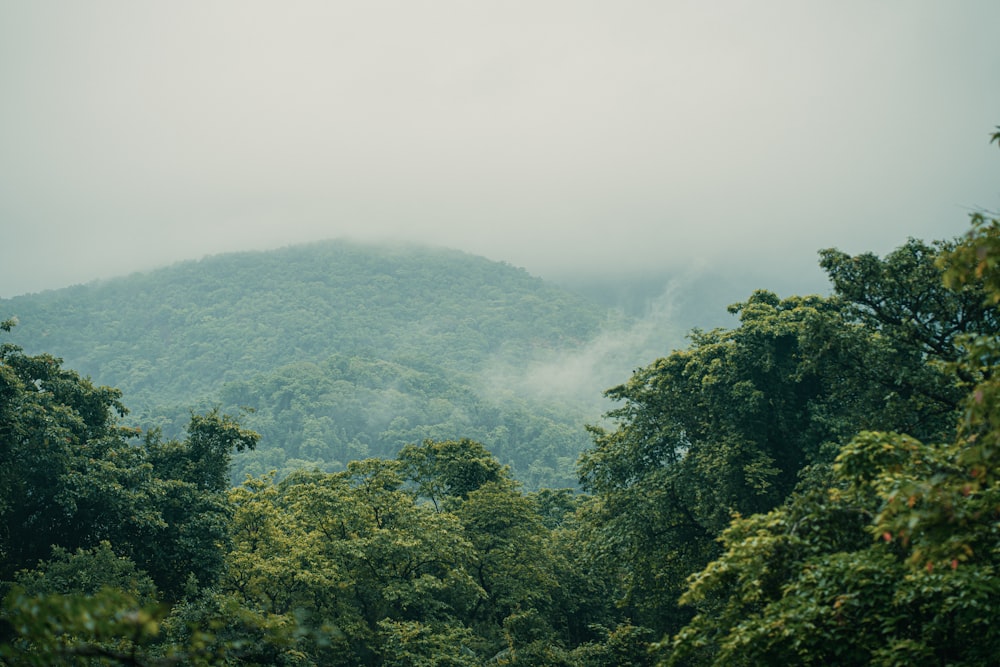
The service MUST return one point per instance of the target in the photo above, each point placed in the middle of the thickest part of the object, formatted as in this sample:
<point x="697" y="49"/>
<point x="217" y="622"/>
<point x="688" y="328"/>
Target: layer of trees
<point x="731" y="425"/>
<point x="888" y="554"/>
<point x="121" y="548"/>
<point x="817" y="485"/>
<point x="184" y="330"/>
<point x="323" y="415"/>
<point x="343" y="350"/>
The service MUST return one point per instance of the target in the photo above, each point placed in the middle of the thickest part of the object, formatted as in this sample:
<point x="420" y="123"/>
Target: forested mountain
<point x="188" y="328"/>
<point x="817" y="485"/>
<point x="342" y="350"/>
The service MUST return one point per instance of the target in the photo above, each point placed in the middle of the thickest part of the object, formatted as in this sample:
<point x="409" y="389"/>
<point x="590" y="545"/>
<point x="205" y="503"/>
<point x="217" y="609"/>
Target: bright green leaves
<point x="977" y="261"/>
<point x="449" y="468"/>
<point x="357" y="553"/>
<point x="265" y="565"/>
<point x="388" y="577"/>
<point x="854" y="607"/>
<point x="919" y="506"/>
<point x="825" y="617"/>
<point x="816" y="582"/>
<point x="417" y="644"/>
<point x="761" y="553"/>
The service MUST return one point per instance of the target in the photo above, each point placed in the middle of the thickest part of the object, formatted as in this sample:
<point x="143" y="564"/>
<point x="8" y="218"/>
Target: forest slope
<point x="345" y="350"/>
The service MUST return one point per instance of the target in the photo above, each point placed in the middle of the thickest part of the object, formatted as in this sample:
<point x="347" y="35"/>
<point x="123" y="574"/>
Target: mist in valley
<point x="642" y="325"/>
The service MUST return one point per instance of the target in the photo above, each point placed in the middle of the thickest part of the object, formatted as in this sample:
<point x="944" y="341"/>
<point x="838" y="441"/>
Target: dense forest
<point x="816" y="485"/>
<point x="337" y="351"/>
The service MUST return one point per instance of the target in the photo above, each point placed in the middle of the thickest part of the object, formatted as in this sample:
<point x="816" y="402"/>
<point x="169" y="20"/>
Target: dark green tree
<point x="890" y="555"/>
<point x="724" y="427"/>
<point x="68" y="474"/>
<point x="191" y="480"/>
<point x="719" y="428"/>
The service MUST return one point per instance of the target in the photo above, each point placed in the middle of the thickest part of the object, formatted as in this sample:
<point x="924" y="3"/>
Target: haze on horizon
<point x="570" y="137"/>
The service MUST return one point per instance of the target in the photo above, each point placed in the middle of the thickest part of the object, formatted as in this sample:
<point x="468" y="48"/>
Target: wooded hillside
<point x="342" y="350"/>
<point x="741" y="507"/>
<point x="817" y="485"/>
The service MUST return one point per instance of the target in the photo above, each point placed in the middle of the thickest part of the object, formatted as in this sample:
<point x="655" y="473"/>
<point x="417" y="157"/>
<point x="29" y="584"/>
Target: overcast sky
<point x="563" y="137"/>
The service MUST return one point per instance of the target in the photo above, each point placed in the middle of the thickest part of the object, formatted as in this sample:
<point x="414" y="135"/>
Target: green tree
<point x="449" y="468"/>
<point x="366" y="572"/>
<point x="191" y="479"/>
<point x="720" y="428"/>
<point x="890" y="555"/>
<point x="87" y="571"/>
<point x="724" y="427"/>
<point x="203" y="458"/>
<point x="68" y="474"/>
<point x="96" y="530"/>
<point x="108" y="627"/>
<point x="416" y="644"/>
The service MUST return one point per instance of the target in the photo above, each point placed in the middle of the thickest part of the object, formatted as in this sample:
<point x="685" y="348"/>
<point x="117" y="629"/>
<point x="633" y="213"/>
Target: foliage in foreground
<point x="726" y="426"/>
<point x="816" y="486"/>
<point x="890" y="556"/>
<point x="437" y="557"/>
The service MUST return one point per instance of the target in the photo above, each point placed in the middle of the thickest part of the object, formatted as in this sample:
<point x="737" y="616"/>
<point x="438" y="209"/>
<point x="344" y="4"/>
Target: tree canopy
<point x="818" y="484"/>
<point x="723" y="428"/>
<point x="888" y="556"/>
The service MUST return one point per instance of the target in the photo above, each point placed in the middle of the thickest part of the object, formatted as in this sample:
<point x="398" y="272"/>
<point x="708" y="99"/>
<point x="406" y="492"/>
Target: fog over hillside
<point x="576" y="139"/>
<point x="646" y="319"/>
<point x="384" y="332"/>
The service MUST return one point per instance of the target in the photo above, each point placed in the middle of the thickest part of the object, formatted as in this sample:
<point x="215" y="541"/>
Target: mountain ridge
<point x="202" y="332"/>
<point x="289" y="291"/>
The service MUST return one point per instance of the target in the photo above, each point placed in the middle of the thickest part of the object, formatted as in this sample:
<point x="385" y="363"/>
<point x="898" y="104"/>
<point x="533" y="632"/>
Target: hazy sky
<point x="559" y="136"/>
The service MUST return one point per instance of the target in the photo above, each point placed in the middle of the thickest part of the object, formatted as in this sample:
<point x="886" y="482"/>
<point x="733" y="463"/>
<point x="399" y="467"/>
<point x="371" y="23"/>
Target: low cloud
<point x="559" y="136"/>
<point x="580" y="375"/>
